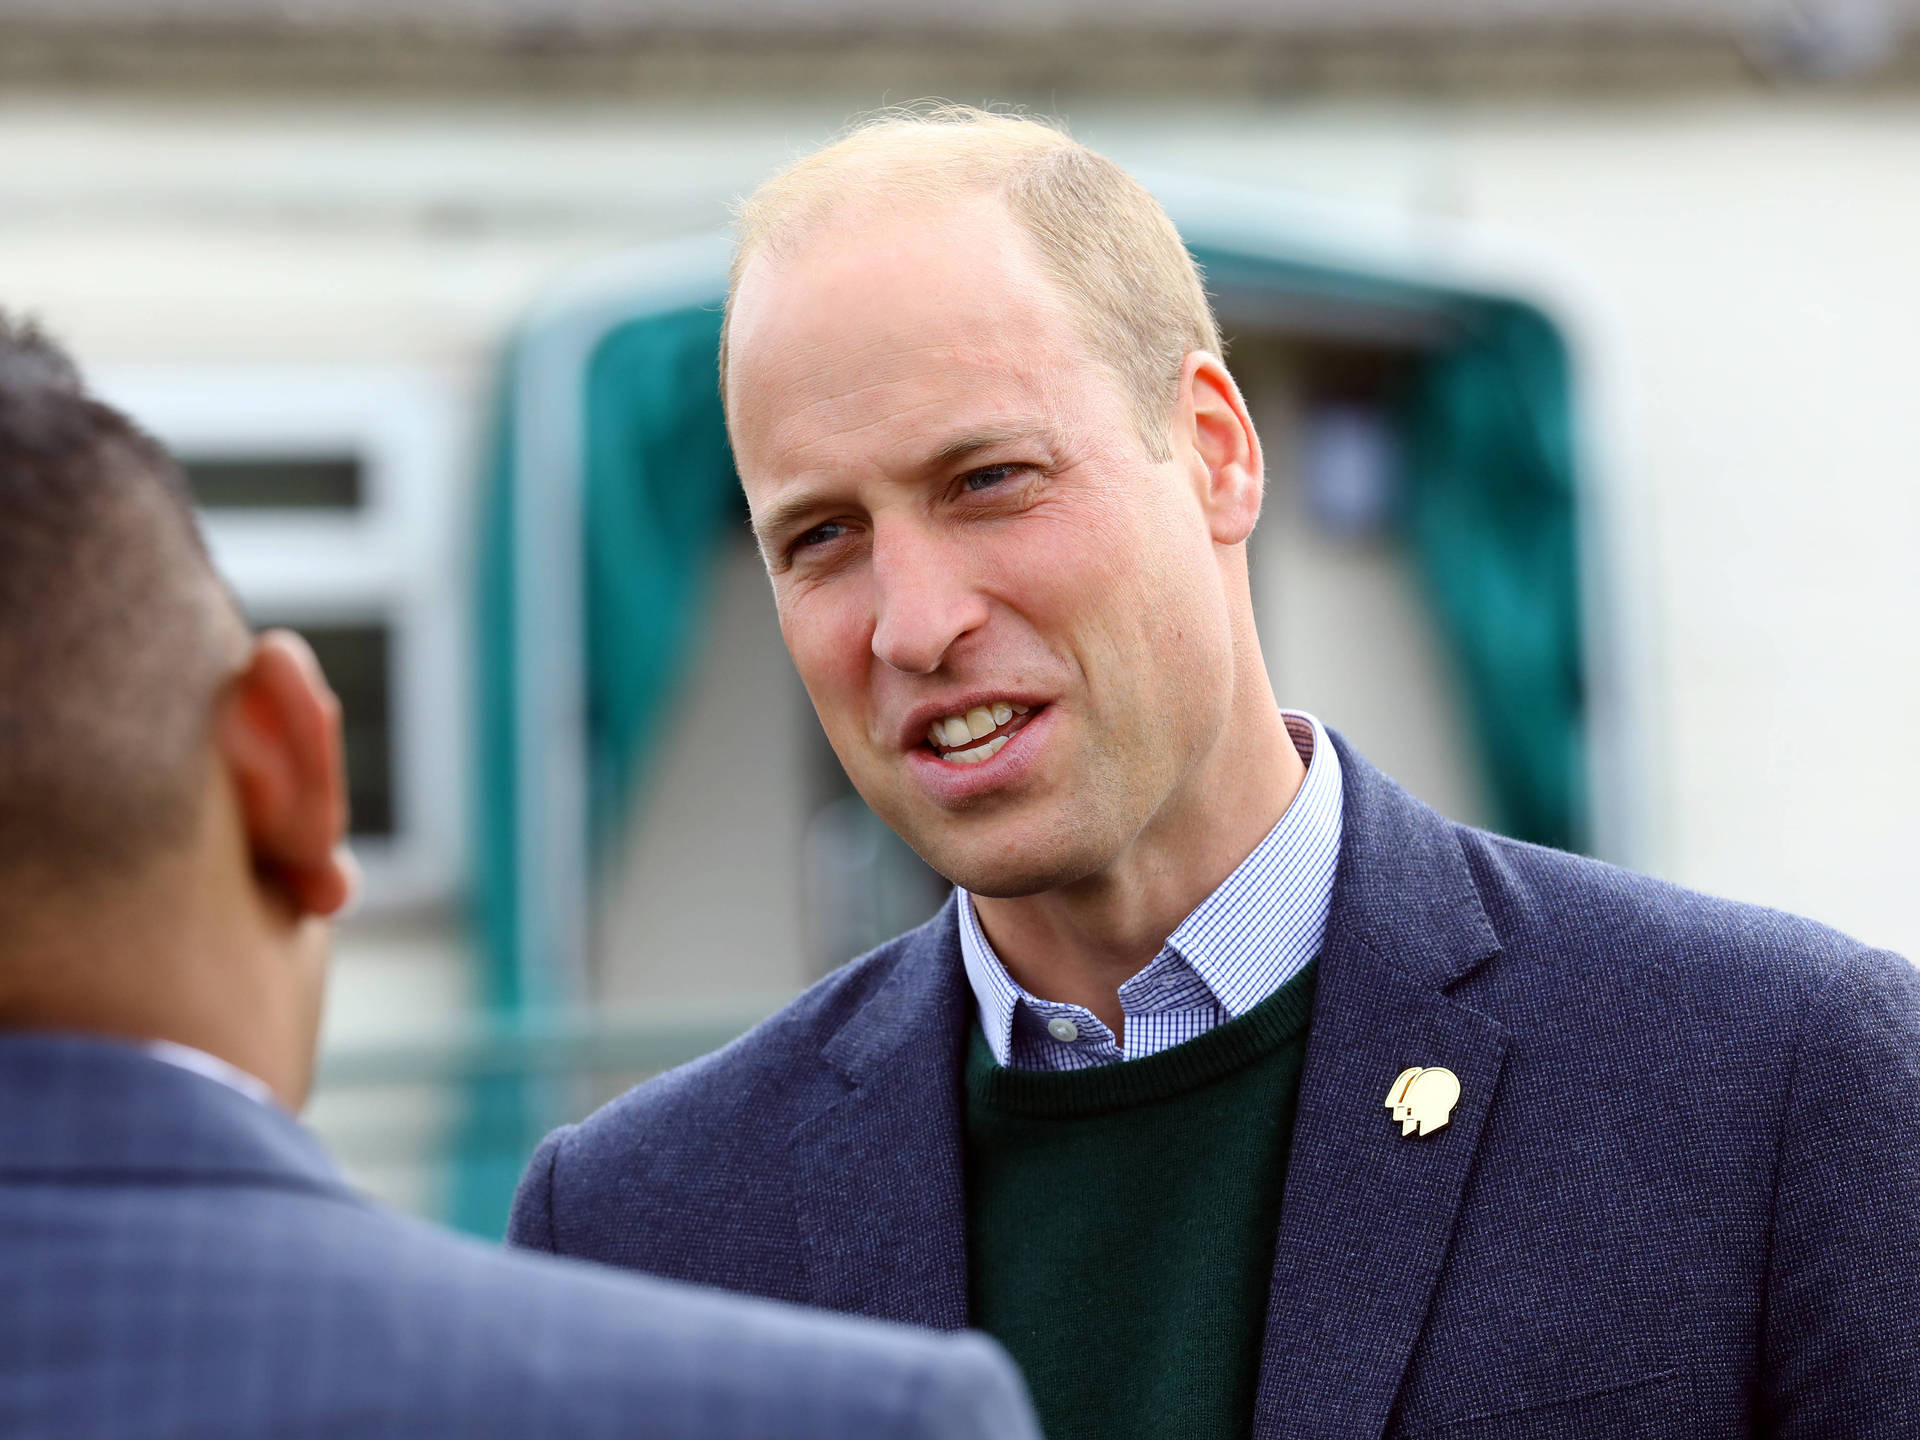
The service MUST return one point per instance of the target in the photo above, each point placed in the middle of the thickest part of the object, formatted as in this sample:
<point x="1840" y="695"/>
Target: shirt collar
<point x="1259" y="929"/>
<point x="185" y="1057"/>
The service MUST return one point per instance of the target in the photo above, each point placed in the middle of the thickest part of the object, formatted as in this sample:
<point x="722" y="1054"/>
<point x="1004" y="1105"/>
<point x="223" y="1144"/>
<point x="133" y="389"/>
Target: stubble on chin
<point x="1019" y="856"/>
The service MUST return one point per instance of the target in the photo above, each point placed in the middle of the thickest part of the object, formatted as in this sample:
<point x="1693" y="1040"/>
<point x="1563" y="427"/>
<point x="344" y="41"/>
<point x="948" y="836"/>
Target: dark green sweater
<point x="1121" y="1223"/>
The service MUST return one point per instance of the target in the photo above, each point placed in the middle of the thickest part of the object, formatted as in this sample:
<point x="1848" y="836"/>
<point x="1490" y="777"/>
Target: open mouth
<point x="979" y="734"/>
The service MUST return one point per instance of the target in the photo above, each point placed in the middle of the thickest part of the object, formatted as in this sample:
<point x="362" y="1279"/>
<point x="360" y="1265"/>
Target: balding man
<point x="180" y="1258"/>
<point x="1235" y="1091"/>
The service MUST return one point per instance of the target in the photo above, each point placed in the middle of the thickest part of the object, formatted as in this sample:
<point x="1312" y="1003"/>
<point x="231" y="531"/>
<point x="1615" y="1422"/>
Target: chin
<point x="1007" y="865"/>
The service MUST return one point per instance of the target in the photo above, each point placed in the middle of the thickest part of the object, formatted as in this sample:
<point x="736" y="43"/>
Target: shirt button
<point x="1063" y="1030"/>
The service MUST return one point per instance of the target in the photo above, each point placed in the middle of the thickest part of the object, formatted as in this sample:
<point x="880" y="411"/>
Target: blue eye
<point x="987" y="478"/>
<point x="820" y="535"/>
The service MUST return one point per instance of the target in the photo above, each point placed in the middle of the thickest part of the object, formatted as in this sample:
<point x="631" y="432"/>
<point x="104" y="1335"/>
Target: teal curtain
<point x="1492" y="518"/>
<point x="500" y="1114"/>
<point x="658" y="489"/>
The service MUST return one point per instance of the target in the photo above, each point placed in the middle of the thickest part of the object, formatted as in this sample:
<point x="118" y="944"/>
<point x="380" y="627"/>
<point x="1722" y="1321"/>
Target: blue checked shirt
<point x="1247" y="939"/>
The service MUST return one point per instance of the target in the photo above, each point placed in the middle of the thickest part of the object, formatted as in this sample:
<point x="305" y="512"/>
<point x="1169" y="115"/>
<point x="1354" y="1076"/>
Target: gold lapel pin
<point x="1423" y="1098"/>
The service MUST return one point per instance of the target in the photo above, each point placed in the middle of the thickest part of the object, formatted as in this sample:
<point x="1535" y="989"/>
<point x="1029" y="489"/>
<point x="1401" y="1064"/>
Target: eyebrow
<point x="975" y="441"/>
<point x="784" y="514"/>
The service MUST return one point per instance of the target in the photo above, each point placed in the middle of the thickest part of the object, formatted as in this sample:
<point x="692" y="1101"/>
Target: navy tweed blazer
<point x="1679" y="1198"/>
<point x="177" y="1260"/>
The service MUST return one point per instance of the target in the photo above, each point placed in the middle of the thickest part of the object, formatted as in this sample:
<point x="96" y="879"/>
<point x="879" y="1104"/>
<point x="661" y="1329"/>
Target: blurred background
<point x="1581" y="334"/>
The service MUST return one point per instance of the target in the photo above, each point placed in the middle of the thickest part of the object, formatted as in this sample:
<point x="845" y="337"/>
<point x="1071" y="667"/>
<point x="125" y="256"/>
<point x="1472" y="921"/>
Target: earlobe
<point x="279" y="735"/>
<point x="1225" y="445"/>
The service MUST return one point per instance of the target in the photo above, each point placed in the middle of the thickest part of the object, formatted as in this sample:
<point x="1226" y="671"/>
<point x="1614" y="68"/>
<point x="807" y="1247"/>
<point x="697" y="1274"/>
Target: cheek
<point x="1069" y="552"/>
<point x="829" y="633"/>
<point x="1132" y="592"/>
<point x="1111" y="575"/>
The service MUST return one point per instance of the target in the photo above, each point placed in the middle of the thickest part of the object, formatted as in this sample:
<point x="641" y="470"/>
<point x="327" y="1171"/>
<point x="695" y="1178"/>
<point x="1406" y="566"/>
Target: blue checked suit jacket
<point x="177" y="1260"/>
<point x="1679" y="1198"/>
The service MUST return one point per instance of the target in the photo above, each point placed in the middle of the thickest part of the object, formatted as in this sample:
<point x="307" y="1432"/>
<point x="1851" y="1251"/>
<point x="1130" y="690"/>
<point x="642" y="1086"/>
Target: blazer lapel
<point x="1369" y="1212"/>
<point x="881" y="1197"/>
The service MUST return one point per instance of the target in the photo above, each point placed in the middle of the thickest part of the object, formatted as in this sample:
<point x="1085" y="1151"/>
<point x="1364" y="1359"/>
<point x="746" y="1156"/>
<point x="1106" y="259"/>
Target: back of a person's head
<point x="1107" y="244"/>
<point x="114" y="632"/>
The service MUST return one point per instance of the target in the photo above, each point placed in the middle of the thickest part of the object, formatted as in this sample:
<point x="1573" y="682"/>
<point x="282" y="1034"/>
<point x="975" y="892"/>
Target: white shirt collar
<point x="1259" y="929"/>
<point x="185" y="1057"/>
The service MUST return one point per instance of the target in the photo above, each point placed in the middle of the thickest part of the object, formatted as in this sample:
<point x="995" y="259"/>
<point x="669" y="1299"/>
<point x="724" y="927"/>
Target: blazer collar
<point x="878" y="1178"/>
<point x="76" y="1105"/>
<point x="1368" y="1212"/>
<point x="923" y="1001"/>
<point x="1403" y="888"/>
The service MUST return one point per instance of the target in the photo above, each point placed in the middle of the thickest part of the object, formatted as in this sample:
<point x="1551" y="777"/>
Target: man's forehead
<point x="890" y="359"/>
<point x="844" y="323"/>
<point x="905" y="410"/>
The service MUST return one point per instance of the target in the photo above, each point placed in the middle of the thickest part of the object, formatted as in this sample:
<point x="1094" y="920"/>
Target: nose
<point x="922" y="601"/>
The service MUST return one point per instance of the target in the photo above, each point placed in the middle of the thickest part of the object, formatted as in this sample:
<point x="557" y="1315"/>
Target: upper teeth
<point x="953" y="730"/>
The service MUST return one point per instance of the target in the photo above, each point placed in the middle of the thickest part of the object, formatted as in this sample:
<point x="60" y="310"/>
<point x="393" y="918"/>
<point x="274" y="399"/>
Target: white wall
<point x="1762" y="271"/>
<point x="1743" y="269"/>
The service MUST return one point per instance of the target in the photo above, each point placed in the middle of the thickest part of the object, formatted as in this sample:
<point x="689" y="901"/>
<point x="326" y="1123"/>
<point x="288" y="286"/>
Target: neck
<point x="1080" y="943"/>
<point x="142" y="964"/>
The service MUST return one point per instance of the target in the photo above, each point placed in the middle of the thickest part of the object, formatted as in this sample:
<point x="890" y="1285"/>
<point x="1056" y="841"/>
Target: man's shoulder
<point x="261" y="1275"/>
<point x="319" y="1257"/>
<point x="765" y="1074"/>
<point x="322" y="1308"/>
<point x="709" y="1139"/>
<point x="1570" y="923"/>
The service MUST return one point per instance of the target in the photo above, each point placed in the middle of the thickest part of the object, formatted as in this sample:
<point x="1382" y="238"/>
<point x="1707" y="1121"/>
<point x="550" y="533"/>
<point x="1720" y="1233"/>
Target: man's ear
<point x="1229" y="467"/>
<point x="279" y="735"/>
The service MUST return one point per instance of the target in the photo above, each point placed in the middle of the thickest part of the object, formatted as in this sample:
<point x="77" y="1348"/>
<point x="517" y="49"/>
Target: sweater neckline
<point x="1226" y="1048"/>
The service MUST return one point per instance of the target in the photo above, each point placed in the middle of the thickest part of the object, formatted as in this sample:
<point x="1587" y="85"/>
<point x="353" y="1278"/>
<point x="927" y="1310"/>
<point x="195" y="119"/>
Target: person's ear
<point x="1228" y="467"/>
<point x="279" y="735"/>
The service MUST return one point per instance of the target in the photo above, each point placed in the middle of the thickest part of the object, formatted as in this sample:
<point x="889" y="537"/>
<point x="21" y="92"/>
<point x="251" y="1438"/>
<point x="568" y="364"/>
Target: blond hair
<point x="1120" y="265"/>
